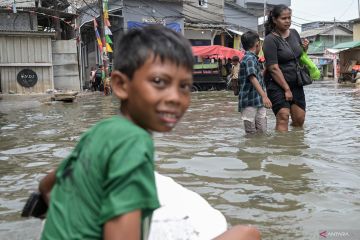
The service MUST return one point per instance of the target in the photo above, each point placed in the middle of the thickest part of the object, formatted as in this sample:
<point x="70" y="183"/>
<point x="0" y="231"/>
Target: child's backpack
<point x="98" y="74"/>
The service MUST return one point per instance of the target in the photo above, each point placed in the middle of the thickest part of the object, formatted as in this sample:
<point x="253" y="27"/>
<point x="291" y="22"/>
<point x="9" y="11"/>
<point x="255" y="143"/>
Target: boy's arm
<point x="259" y="89"/>
<point x="46" y="184"/>
<point x="126" y="226"/>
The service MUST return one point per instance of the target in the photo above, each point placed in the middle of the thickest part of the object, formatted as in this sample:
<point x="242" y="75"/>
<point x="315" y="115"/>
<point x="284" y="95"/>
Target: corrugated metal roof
<point x="27" y="33"/>
<point x="347" y="45"/>
<point x="339" y="31"/>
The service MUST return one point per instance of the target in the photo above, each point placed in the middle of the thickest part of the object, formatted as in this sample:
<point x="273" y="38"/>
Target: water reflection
<point x="291" y="185"/>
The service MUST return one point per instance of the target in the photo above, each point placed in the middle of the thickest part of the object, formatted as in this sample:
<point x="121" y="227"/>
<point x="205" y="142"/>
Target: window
<point x="203" y="3"/>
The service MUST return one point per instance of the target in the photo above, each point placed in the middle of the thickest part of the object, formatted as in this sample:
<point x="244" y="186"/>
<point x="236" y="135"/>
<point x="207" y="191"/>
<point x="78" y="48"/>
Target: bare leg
<point x="240" y="232"/>
<point x="282" y="120"/>
<point x="297" y="116"/>
<point x="261" y="121"/>
<point x="249" y="127"/>
<point x="261" y="125"/>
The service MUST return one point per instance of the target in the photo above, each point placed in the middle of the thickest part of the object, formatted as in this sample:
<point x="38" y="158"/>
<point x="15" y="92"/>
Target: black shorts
<point x="277" y="97"/>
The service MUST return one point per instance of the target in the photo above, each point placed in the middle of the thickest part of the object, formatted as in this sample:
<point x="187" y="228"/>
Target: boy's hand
<point x="267" y="103"/>
<point x="288" y="95"/>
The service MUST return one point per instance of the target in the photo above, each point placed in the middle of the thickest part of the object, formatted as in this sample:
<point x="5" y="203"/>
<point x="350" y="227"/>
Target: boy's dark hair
<point x="235" y="58"/>
<point x="135" y="47"/>
<point x="249" y="39"/>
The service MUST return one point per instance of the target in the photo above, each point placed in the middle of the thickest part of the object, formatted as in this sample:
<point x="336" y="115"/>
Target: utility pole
<point x="265" y="17"/>
<point x="102" y="36"/>
<point x="335" y="59"/>
<point x="359" y="7"/>
<point x="334" y="34"/>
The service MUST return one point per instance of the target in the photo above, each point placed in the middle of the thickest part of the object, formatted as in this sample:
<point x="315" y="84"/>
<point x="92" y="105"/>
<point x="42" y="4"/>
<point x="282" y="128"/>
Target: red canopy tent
<point x="216" y="51"/>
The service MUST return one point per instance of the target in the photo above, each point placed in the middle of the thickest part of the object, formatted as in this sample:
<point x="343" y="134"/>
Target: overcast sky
<point x="323" y="10"/>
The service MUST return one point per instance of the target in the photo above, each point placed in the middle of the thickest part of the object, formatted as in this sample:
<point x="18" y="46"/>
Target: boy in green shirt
<point x="106" y="188"/>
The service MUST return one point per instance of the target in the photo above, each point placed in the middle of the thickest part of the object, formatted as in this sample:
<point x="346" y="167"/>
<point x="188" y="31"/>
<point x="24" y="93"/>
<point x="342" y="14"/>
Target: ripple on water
<point x="35" y="164"/>
<point x="62" y="152"/>
<point x="3" y="158"/>
<point x="209" y="166"/>
<point x="48" y="132"/>
<point x="30" y="149"/>
<point x="9" y="127"/>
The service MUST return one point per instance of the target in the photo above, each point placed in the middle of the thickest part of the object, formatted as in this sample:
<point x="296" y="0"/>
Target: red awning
<point x="216" y="51"/>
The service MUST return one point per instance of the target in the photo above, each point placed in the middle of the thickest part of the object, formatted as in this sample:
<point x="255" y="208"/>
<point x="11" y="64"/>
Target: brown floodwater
<point x="291" y="185"/>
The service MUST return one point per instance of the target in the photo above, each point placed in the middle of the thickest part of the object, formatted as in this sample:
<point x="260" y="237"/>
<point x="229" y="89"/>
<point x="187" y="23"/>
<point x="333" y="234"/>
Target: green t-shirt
<point x="109" y="173"/>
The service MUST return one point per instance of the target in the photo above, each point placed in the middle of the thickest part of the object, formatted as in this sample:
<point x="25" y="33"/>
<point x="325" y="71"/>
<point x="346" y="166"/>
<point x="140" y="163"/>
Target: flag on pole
<point x="108" y="39"/>
<point x="105" y="9"/>
<point x="107" y="31"/>
<point x="108" y="48"/>
<point x="107" y="22"/>
<point x="98" y="39"/>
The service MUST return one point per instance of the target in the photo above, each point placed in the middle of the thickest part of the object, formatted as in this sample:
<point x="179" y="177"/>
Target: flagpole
<point x="102" y="36"/>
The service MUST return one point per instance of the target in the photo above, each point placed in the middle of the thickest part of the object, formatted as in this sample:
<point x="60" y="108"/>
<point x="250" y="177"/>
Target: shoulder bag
<point x="302" y="73"/>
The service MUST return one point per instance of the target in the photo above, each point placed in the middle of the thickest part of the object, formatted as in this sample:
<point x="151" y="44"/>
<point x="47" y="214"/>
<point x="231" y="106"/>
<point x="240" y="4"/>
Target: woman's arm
<point x="124" y="227"/>
<point x="279" y="78"/>
<point x="46" y="184"/>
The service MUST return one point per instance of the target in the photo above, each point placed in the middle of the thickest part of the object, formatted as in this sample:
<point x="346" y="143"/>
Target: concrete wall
<point x="65" y="63"/>
<point x="196" y="36"/>
<point x="212" y="12"/>
<point x="25" y="51"/>
<point x="18" y="22"/>
<point x="19" y="3"/>
<point x="240" y="18"/>
<point x="356" y="32"/>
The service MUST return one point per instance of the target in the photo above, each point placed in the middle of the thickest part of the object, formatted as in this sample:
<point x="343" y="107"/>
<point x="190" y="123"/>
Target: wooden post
<point x="222" y="38"/>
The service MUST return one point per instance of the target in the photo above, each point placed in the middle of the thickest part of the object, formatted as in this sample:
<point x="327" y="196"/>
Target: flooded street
<point x="290" y="185"/>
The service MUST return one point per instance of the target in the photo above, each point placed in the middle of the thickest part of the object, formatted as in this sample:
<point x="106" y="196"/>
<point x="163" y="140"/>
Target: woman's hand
<point x="305" y="44"/>
<point x="288" y="95"/>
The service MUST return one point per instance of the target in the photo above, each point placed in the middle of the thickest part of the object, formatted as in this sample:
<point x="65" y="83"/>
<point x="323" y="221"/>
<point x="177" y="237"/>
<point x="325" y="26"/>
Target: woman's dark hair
<point x="135" y="47"/>
<point x="274" y="13"/>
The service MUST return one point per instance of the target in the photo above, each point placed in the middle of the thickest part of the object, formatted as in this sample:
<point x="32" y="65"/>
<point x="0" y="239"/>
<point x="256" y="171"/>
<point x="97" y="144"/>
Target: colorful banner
<point x="98" y="39"/>
<point x="107" y="31"/>
<point x="108" y="48"/>
<point x="108" y="39"/>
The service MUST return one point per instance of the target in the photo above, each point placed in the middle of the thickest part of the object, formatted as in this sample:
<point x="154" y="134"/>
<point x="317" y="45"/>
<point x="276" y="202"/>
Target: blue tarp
<point x="174" y="26"/>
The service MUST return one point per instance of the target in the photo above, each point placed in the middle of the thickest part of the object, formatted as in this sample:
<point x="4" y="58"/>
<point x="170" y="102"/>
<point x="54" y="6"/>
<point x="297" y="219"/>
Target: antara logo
<point x="323" y="234"/>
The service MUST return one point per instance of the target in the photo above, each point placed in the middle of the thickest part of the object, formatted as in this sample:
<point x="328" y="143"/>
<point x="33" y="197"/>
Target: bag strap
<point x="288" y="45"/>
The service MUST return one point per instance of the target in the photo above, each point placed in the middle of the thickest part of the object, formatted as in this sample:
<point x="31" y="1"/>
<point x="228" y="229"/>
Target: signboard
<point x="27" y="78"/>
<point x="154" y="20"/>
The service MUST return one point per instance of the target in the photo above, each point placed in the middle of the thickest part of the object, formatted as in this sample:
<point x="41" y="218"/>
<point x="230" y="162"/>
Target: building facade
<point x="28" y="33"/>
<point x="356" y="29"/>
<point x="326" y="37"/>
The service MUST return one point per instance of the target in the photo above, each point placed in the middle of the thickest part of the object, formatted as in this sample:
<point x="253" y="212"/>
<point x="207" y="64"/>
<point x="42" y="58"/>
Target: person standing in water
<point x="281" y="46"/>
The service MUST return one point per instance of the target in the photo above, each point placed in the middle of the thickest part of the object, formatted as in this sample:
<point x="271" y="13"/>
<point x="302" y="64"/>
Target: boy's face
<point x="257" y="47"/>
<point x="157" y="96"/>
